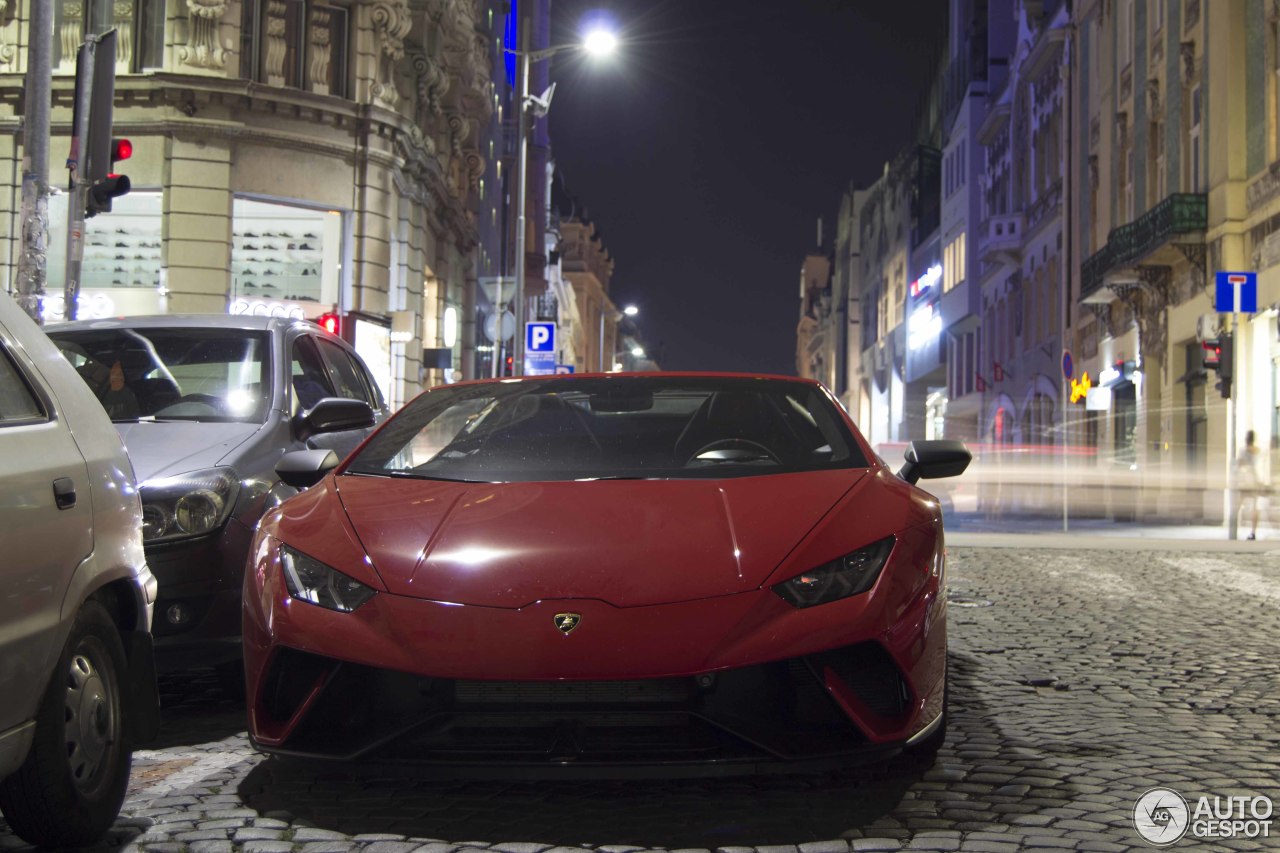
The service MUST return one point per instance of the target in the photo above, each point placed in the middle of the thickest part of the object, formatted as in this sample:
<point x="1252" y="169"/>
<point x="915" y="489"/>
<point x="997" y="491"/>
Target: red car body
<point x="681" y="652"/>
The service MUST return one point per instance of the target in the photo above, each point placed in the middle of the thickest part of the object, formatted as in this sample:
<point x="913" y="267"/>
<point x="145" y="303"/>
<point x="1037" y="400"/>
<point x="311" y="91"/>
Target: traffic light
<point x="331" y="323"/>
<point x="1225" y="364"/>
<point x="1218" y="357"/>
<point x="1212" y="352"/>
<point x="509" y="369"/>
<point x="112" y="185"/>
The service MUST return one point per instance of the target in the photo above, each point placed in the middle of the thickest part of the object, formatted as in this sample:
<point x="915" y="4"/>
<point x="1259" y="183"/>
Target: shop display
<point x="279" y="264"/>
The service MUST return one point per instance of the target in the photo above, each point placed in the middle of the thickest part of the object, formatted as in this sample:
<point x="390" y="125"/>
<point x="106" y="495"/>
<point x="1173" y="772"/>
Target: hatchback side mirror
<point x="332" y="414"/>
<point x="928" y="460"/>
<point x="302" y="469"/>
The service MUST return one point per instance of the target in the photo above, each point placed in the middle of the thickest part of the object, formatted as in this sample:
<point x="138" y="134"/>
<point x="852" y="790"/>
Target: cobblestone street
<point x="1079" y="679"/>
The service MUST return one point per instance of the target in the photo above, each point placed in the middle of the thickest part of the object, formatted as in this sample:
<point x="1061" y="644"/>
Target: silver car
<point x="206" y="405"/>
<point x="76" y="670"/>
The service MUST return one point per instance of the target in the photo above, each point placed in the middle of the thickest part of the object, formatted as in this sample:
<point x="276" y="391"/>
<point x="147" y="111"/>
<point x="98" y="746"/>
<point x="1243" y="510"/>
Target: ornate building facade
<point x="294" y="157"/>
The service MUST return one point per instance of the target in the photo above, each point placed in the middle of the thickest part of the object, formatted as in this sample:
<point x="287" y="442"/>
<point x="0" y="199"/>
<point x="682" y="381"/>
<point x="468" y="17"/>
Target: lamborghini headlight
<point x="841" y="578"/>
<point x="188" y="505"/>
<point x="312" y="581"/>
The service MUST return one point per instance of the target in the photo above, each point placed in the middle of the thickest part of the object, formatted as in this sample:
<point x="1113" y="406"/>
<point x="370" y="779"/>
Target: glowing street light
<point x="631" y="310"/>
<point x="597" y="42"/>
<point x="600" y="42"/>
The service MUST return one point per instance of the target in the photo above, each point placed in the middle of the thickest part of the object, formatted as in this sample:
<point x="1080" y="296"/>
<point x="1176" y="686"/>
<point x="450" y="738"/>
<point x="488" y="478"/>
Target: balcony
<point x="1000" y="239"/>
<point x="1142" y="240"/>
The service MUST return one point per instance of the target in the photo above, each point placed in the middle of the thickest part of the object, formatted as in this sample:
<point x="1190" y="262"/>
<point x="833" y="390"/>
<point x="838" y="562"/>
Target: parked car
<point x="207" y="404"/>
<point x="76" y="670"/>
<point x="600" y="571"/>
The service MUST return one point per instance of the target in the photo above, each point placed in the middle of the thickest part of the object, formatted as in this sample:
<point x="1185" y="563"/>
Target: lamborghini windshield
<point x="641" y="427"/>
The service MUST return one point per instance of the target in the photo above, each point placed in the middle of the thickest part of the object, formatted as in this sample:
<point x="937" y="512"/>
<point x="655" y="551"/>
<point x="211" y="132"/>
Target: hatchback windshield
<point x="621" y="428"/>
<point x="173" y="373"/>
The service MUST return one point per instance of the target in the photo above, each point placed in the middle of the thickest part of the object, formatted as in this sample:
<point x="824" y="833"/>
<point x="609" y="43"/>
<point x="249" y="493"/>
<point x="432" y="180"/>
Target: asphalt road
<point x="1080" y="679"/>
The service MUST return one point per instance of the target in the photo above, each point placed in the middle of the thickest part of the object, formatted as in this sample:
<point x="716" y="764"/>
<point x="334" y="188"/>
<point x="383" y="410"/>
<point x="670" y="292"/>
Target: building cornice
<point x="220" y="108"/>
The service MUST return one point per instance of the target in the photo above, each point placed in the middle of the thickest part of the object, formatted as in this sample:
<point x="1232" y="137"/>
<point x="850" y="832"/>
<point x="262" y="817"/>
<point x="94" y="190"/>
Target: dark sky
<point x="708" y="147"/>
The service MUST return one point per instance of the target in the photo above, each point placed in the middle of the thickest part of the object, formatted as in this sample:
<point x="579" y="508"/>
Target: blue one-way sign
<point x="1237" y="293"/>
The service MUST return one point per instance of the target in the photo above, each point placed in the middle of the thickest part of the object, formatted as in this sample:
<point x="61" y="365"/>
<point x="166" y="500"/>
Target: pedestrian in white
<point x="1248" y="481"/>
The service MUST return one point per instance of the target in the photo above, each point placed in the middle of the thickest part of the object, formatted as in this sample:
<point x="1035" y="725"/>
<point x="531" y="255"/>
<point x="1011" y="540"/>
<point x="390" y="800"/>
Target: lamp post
<point x="598" y="42"/>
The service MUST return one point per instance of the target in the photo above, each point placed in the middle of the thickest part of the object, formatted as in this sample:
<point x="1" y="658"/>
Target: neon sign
<point x="926" y="282"/>
<point x="265" y="308"/>
<point x="924" y="327"/>
<point x="1080" y="387"/>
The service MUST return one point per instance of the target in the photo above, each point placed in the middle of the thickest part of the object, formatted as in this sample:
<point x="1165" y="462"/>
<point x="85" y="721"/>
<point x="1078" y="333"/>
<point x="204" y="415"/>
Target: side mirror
<point x="929" y="460"/>
<point x="302" y="469"/>
<point x="332" y="414"/>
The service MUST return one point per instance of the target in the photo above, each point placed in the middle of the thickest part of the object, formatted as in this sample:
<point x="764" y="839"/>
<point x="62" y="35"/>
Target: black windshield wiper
<point x="409" y="475"/>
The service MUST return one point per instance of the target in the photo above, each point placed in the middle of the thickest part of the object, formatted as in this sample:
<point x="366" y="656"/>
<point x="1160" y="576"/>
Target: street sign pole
<point x="95" y="88"/>
<point x="1233" y="523"/>
<point x="33" y="260"/>
<point x="76" y="162"/>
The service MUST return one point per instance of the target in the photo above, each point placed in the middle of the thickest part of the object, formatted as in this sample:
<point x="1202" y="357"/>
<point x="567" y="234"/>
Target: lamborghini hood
<point x="626" y="542"/>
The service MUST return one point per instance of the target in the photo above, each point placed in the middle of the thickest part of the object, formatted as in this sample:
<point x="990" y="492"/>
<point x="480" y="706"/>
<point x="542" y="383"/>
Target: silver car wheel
<point x="91" y="723"/>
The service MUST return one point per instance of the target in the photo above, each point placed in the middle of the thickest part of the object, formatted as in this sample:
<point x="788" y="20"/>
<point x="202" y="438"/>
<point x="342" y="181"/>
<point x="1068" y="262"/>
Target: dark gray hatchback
<point x="207" y="405"/>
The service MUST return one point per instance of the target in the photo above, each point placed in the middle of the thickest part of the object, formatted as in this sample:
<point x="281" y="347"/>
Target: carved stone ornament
<point x="1187" y="50"/>
<point x="1153" y="95"/>
<point x="1093" y="171"/>
<point x="433" y="82"/>
<point x="1122" y="130"/>
<point x="122" y="19"/>
<point x="321" y="54"/>
<point x="202" y="49"/>
<point x="391" y="23"/>
<point x="70" y="34"/>
<point x="275" y="48"/>
<point x="6" y="50"/>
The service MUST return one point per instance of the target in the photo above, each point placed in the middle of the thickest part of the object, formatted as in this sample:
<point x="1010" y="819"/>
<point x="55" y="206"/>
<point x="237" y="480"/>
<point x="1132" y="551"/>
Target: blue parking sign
<point x="1236" y="293"/>
<point x="540" y="337"/>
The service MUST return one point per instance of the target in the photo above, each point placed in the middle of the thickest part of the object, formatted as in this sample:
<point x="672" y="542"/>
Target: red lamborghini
<point x="604" y="571"/>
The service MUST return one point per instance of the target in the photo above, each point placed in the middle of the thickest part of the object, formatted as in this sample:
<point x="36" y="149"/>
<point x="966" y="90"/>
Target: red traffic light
<point x="1212" y="352"/>
<point x="330" y="322"/>
<point x="121" y="149"/>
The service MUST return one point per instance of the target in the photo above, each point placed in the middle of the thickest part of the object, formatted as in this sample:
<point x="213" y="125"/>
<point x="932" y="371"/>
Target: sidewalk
<point x="975" y="530"/>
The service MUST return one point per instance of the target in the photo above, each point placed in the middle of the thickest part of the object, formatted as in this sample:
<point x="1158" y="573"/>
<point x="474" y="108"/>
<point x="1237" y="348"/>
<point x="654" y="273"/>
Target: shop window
<point x="121" y="271"/>
<point x="139" y="26"/>
<point x="286" y="260"/>
<point x="298" y="44"/>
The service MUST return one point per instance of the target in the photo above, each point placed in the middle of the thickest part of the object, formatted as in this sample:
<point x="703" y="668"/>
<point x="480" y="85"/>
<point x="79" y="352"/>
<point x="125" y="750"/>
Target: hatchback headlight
<point x="849" y="575"/>
<point x="190" y="505"/>
<point x="312" y="581"/>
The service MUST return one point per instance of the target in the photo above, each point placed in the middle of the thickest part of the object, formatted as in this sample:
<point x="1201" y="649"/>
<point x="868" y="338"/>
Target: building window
<point x="139" y="26"/>
<point x="953" y="263"/>
<point x="1193" y="142"/>
<point x="1128" y="212"/>
<point x="1157" y="15"/>
<point x="298" y="44"/>
<point x="970" y="366"/>
<point x="1125" y="34"/>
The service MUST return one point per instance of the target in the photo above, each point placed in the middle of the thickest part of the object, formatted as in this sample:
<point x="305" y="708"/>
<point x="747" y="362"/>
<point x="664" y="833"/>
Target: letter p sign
<point x="540" y="337"/>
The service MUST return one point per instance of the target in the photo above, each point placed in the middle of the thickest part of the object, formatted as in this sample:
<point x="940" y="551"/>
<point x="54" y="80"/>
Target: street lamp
<point x="628" y="311"/>
<point x="597" y="42"/>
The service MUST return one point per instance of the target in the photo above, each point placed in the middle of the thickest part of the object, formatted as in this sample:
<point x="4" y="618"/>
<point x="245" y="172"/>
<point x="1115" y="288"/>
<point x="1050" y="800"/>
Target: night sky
<point x="706" y="150"/>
